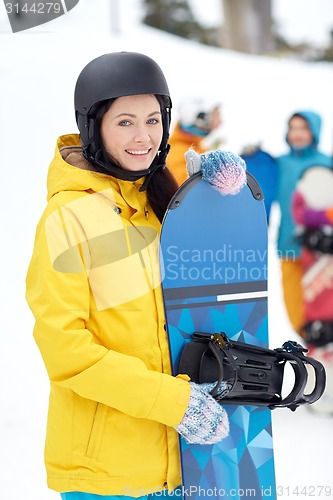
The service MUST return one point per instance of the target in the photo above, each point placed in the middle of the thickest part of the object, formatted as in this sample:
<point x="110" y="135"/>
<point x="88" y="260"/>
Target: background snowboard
<point x="316" y="188"/>
<point x="263" y="167"/>
<point x="214" y="253"/>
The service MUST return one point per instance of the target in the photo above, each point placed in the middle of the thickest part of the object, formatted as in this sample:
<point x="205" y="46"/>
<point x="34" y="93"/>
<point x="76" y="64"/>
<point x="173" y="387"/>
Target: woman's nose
<point x="142" y="134"/>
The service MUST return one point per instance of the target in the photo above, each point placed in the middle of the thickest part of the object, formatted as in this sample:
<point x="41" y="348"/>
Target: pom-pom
<point x="224" y="170"/>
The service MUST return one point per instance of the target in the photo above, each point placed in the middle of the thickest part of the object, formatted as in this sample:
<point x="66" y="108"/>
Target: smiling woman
<point x="94" y="287"/>
<point x="99" y="88"/>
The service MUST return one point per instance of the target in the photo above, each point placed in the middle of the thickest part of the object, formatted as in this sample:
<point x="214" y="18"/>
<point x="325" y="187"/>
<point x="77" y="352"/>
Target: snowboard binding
<point x="253" y="375"/>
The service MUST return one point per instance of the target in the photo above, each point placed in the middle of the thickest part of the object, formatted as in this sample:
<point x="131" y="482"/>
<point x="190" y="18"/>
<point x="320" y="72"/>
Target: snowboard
<point x="316" y="188"/>
<point x="263" y="167"/>
<point x="214" y="267"/>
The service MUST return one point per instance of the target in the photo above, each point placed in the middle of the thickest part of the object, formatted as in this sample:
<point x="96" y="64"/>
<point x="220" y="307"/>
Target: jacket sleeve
<point x="176" y="162"/>
<point x="60" y="302"/>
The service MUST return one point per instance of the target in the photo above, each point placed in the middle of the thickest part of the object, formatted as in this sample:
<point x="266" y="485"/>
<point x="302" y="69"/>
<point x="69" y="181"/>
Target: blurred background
<point x="251" y="26"/>
<point x="301" y="28"/>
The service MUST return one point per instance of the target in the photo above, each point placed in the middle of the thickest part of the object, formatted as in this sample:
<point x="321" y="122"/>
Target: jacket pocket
<point x="97" y="431"/>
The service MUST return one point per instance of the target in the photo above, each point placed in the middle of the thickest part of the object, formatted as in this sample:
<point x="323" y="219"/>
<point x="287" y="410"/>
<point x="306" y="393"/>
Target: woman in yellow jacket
<point x="93" y="285"/>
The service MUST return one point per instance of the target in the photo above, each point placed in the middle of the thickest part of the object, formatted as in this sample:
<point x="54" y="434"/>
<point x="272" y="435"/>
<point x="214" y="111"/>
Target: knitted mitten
<point x="223" y="389"/>
<point x="205" y="421"/>
<point x="224" y="170"/>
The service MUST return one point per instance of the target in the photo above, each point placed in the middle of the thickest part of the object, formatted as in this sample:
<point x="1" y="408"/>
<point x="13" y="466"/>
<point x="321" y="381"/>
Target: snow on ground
<point x="38" y="70"/>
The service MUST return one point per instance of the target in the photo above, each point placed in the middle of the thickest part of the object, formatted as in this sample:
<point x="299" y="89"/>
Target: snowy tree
<point x="176" y="16"/>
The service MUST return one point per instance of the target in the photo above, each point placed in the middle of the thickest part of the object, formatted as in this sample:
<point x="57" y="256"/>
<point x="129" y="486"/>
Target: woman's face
<point x="132" y="131"/>
<point x="299" y="134"/>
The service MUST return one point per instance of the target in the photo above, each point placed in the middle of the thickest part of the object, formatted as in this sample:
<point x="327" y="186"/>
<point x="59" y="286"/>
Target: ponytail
<point x="161" y="188"/>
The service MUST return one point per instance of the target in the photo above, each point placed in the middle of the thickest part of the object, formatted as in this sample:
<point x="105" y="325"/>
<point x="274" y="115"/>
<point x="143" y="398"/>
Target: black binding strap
<point x="253" y="375"/>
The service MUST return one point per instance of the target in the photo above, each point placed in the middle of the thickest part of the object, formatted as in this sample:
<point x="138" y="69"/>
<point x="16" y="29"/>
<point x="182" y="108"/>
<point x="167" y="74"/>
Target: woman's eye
<point x="124" y="123"/>
<point x="152" y="121"/>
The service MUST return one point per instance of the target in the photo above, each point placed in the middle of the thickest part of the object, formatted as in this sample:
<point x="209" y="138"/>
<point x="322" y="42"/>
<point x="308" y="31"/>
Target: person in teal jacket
<point x="303" y="139"/>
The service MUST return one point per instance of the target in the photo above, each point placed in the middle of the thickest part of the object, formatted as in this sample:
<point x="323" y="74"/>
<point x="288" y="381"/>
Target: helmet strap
<point x="113" y="169"/>
<point x="93" y="152"/>
<point x="128" y="175"/>
<point x="161" y="159"/>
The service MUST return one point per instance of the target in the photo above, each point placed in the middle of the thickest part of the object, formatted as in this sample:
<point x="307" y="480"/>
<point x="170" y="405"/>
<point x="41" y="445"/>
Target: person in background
<point x="312" y="209"/>
<point x="302" y="137"/>
<point x="94" y="287"/>
<point x="198" y="128"/>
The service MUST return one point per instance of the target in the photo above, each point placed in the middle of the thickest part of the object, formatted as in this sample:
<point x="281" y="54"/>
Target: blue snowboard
<point x="264" y="168"/>
<point x="214" y="264"/>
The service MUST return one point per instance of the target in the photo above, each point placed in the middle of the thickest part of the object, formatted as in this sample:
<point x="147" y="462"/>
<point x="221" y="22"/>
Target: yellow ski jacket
<point x="93" y="285"/>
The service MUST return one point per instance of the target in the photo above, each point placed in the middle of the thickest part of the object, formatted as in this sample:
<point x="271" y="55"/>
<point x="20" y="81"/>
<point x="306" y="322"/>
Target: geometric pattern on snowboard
<point x="227" y="293"/>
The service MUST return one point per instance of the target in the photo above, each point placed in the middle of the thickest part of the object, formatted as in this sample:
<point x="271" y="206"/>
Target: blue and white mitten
<point x="223" y="389"/>
<point x="224" y="170"/>
<point x="205" y="421"/>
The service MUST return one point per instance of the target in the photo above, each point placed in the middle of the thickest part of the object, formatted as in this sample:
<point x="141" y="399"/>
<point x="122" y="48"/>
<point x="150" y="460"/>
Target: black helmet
<point x="115" y="75"/>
